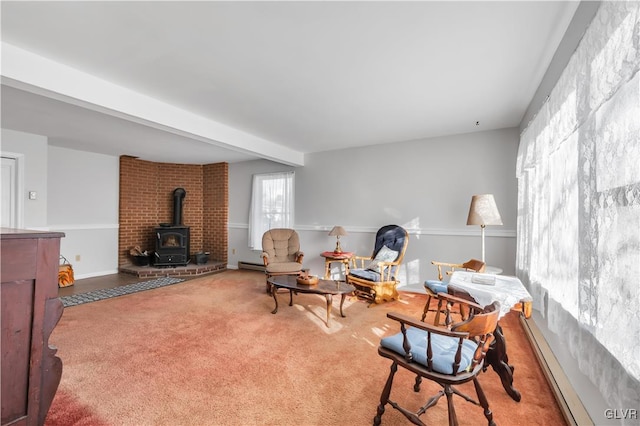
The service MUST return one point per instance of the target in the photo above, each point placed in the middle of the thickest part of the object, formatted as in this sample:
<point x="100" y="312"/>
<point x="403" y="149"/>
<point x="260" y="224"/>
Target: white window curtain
<point x="579" y="199"/>
<point x="271" y="205"/>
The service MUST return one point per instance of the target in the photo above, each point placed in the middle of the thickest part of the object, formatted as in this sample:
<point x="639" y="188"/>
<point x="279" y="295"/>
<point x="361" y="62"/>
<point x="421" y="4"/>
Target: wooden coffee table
<point x="325" y="287"/>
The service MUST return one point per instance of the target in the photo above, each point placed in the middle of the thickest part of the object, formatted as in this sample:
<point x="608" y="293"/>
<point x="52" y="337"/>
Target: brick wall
<point x="216" y="211"/>
<point x="146" y="200"/>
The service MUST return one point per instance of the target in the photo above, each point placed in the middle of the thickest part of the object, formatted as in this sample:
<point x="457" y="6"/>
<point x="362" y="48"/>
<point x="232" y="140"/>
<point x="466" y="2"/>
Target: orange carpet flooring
<point x="209" y="352"/>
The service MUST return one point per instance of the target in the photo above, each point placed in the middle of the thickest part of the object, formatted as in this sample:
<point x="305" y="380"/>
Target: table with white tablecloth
<point x="488" y="288"/>
<point x="484" y="289"/>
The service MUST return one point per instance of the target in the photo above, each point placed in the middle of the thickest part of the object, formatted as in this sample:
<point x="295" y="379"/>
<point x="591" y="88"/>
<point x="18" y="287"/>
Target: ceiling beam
<point x="27" y="71"/>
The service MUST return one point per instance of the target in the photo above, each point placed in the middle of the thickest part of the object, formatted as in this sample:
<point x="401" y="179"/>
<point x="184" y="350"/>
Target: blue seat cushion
<point x="436" y="286"/>
<point x="365" y="274"/>
<point x="444" y="349"/>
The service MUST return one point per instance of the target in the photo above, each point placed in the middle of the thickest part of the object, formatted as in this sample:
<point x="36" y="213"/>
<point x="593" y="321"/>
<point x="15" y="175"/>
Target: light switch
<point x="33" y="195"/>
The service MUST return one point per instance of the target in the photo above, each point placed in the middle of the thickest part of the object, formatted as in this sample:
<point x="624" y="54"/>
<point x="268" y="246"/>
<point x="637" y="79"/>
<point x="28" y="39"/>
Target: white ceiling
<point x="202" y="82"/>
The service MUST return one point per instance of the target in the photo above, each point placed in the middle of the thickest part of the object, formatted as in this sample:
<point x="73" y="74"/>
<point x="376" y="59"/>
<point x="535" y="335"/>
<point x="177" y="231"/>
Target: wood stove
<point x="172" y="246"/>
<point x="172" y="240"/>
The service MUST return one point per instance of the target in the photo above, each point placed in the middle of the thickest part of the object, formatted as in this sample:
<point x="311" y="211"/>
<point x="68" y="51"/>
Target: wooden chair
<point x="433" y="287"/>
<point x="374" y="277"/>
<point x="281" y="253"/>
<point x="449" y="356"/>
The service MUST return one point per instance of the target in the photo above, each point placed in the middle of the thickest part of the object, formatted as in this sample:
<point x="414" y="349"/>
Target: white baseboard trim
<point x="412" y="288"/>
<point x="253" y="266"/>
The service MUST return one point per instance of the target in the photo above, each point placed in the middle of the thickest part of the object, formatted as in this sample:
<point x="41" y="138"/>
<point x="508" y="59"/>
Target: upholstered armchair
<point x="281" y="252"/>
<point x="375" y="277"/>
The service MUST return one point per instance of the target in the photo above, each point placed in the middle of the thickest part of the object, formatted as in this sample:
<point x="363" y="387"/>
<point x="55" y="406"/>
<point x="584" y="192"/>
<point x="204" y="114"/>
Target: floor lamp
<point x="483" y="211"/>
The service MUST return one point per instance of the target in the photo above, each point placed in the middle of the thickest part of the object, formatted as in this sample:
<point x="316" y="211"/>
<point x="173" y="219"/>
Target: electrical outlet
<point x="77" y="258"/>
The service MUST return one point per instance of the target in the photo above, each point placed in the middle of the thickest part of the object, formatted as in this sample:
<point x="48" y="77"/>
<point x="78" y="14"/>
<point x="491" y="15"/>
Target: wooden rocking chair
<point x="375" y="277"/>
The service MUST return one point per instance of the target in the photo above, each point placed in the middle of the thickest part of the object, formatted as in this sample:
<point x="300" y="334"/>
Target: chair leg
<point x="482" y="399"/>
<point x="268" y="285"/>
<point x="416" y="385"/>
<point x="426" y="308"/>
<point x="436" y="321"/>
<point x="453" y="419"/>
<point x="384" y="397"/>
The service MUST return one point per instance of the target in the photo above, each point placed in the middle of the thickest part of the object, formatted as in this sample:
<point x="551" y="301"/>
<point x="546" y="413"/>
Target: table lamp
<point x="483" y="211"/>
<point x="338" y="231"/>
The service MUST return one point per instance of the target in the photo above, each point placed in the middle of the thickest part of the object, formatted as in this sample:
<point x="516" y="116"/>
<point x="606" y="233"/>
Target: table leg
<point x="274" y="290"/>
<point x="329" y="298"/>
<point x="327" y="269"/>
<point x="344" y="295"/>
<point x="290" y="297"/>
<point x="498" y="359"/>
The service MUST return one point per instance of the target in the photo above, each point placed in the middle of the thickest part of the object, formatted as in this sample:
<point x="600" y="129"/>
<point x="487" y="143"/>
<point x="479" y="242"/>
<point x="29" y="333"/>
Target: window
<point x="579" y="199"/>
<point x="271" y="205"/>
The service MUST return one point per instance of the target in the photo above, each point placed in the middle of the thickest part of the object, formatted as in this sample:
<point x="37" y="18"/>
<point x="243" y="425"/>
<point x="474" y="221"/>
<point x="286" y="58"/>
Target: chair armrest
<point x="451" y="267"/>
<point x="362" y="259"/>
<point x="475" y="265"/>
<point x="412" y="322"/>
<point x="386" y="269"/>
<point x="299" y="255"/>
<point x="383" y="267"/>
<point x="265" y="258"/>
<point x="465" y="302"/>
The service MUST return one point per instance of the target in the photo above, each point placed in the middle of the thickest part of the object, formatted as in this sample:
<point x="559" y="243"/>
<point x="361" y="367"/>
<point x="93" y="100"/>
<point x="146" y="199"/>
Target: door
<point x="8" y="191"/>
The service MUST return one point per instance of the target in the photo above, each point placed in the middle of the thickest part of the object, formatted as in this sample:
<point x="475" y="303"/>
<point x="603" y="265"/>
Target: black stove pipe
<point x="178" y="197"/>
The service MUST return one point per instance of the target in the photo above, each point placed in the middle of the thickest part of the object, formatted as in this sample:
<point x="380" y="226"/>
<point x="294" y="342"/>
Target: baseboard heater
<point x="574" y="412"/>
<point x="251" y="266"/>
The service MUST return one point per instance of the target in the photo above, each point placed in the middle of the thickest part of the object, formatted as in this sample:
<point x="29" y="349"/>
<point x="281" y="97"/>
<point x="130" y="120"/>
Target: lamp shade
<point x="338" y="231"/>
<point x="483" y="211"/>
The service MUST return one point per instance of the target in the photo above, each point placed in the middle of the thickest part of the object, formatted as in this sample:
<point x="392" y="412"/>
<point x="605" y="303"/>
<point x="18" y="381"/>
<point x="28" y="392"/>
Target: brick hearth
<point x="177" y="271"/>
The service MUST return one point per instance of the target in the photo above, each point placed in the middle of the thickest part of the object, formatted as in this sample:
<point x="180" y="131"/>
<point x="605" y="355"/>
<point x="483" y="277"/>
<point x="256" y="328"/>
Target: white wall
<point x="77" y="193"/>
<point x="83" y="203"/>
<point x="425" y="186"/>
<point x="33" y="149"/>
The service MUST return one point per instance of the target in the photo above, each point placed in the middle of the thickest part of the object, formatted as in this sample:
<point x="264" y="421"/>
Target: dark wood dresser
<point x="30" y="309"/>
